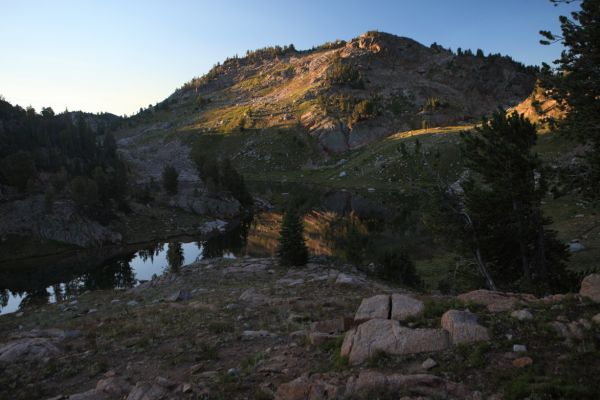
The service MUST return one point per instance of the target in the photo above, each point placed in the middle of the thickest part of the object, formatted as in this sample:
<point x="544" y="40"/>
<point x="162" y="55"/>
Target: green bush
<point x="364" y="109"/>
<point x="396" y="266"/>
<point x="84" y="192"/>
<point x="344" y="74"/>
<point x="17" y="169"/>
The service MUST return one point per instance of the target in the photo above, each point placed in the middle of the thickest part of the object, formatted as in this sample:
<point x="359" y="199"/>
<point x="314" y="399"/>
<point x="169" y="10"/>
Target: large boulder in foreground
<point x="382" y="306"/>
<point x="590" y="287"/>
<point x="497" y="301"/>
<point x="386" y="335"/>
<point x="463" y="327"/>
<point x="404" y="307"/>
<point x="376" y="307"/>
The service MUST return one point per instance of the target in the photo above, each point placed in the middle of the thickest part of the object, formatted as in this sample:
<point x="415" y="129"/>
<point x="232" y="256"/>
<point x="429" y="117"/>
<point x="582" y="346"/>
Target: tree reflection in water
<point x="174" y="257"/>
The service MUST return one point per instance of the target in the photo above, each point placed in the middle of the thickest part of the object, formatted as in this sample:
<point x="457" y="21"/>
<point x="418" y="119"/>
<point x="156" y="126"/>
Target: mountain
<point x="338" y="96"/>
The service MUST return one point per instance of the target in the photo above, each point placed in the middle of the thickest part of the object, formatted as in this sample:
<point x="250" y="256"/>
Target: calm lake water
<point x="51" y="279"/>
<point x="333" y="219"/>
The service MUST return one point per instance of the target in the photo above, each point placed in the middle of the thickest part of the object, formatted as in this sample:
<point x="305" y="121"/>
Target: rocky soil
<point x="248" y="329"/>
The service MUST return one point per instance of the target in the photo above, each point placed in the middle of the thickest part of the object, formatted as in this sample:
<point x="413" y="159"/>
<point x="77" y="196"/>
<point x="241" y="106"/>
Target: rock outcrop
<point x="28" y="217"/>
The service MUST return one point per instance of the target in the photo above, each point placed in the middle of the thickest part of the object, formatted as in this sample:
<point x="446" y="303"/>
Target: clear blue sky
<point x="117" y="56"/>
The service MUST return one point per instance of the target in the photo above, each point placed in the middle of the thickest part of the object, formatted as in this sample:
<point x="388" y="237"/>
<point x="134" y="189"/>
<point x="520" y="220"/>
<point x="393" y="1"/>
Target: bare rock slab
<point x="590" y="287"/>
<point x="463" y="327"/>
<point x="417" y="384"/>
<point x="389" y="337"/>
<point x="497" y="301"/>
<point x="404" y="306"/>
<point x="28" y="349"/>
<point x="253" y="298"/>
<point x="376" y="307"/>
<point x="304" y="387"/>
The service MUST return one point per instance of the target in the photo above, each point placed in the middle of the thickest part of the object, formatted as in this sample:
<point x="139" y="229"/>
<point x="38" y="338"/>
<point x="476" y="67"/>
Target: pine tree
<point x="170" y="177"/>
<point x="292" y="250"/>
<point x="576" y="81"/>
<point x="503" y="198"/>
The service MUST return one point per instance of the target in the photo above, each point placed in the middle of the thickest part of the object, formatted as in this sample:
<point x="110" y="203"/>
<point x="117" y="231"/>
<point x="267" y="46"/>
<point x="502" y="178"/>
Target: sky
<point x="118" y="56"/>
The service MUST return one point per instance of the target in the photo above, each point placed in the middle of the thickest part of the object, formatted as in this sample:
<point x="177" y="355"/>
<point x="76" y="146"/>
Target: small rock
<point x="576" y="247"/>
<point x="115" y="301"/>
<point x="186" y="388"/>
<point x="519" y="348"/>
<point x="92" y="311"/>
<point x="596" y="318"/>
<point x="463" y="327"/>
<point x="522" y="315"/>
<point x="257" y="334"/>
<point x="180" y="295"/>
<point x="290" y="282"/>
<point x="233" y="372"/>
<point x="349" y="280"/>
<point x="428" y="364"/>
<point x="522" y="362"/>
<point x="132" y="303"/>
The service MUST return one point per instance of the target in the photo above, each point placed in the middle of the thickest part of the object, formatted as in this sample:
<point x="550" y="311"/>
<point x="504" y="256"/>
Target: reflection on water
<point x="337" y="224"/>
<point x="44" y="281"/>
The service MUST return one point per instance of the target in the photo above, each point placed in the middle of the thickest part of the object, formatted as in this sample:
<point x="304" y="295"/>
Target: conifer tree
<point x="170" y="177"/>
<point x="503" y="197"/>
<point x="292" y="250"/>
<point x="575" y="83"/>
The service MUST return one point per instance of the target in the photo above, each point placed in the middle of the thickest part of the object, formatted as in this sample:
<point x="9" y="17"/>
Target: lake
<point x="338" y="224"/>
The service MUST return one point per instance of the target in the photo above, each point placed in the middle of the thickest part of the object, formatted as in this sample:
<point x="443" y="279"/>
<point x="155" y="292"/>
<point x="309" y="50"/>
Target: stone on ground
<point x="463" y="327"/>
<point x="522" y="315"/>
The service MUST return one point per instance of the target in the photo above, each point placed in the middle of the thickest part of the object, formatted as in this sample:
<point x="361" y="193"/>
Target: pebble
<point x="132" y="303"/>
<point x="519" y="348"/>
<point x="233" y="372"/>
<point x="428" y="364"/>
<point x="522" y="362"/>
<point x="521" y="315"/>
